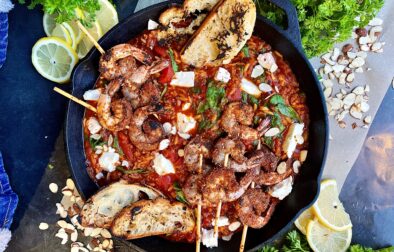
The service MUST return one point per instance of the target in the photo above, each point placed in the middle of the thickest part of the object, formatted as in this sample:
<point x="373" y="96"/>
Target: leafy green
<point x="359" y="248"/>
<point x="95" y="142"/>
<point x="253" y="100"/>
<point x="268" y="248"/>
<point x="280" y="105"/>
<point x="276" y="121"/>
<point x="66" y="10"/>
<point x="173" y="62"/>
<point x="245" y="51"/>
<point x="134" y="171"/>
<point x="213" y="98"/>
<point x="324" y="22"/>
<point x="245" y="97"/>
<point x="277" y="99"/>
<point x="117" y="147"/>
<point x="180" y="196"/>
<point x="268" y="141"/>
<point x="204" y="124"/>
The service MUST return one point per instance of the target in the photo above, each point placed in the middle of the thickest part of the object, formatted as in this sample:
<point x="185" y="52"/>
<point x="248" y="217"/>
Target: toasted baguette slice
<point x="222" y="34"/>
<point x="193" y="10"/>
<point x="101" y="208"/>
<point x="153" y="217"/>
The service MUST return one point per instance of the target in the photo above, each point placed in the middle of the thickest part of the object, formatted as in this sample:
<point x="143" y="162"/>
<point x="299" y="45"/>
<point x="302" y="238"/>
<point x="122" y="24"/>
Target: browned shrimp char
<point x="146" y="132"/>
<point x="149" y="93"/>
<point x="252" y="206"/>
<point x="111" y="65"/>
<point x="221" y="184"/>
<point x="236" y="151"/>
<point x="273" y="177"/>
<point x="236" y="119"/>
<point x="265" y="158"/>
<point x="199" y="145"/>
<point x="113" y="115"/>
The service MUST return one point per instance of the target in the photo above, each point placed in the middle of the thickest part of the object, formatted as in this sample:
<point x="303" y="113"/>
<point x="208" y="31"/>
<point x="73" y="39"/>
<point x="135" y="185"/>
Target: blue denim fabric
<point x="8" y="199"/>
<point x="3" y="37"/>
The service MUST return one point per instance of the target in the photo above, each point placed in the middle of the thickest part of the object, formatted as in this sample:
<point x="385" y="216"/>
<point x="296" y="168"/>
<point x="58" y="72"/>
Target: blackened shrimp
<point x="221" y="184"/>
<point x="273" y="177"/>
<point x="146" y="132"/>
<point x="236" y="119"/>
<point x="116" y="62"/>
<point x="255" y="208"/>
<point x="141" y="74"/>
<point x="236" y="151"/>
<point x="199" y="145"/>
<point x="192" y="190"/>
<point x="113" y="115"/>
<point x="149" y="93"/>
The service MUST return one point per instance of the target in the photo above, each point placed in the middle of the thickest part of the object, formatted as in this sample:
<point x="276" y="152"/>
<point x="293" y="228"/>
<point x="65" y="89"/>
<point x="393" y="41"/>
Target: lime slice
<point x="329" y="210"/>
<point x="85" y="45"/>
<point x="323" y="239"/>
<point x="106" y="16"/>
<point x="54" y="59"/>
<point x="49" y="23"/>
<point x="61" y="31"/>
<point x="303" y="220"/>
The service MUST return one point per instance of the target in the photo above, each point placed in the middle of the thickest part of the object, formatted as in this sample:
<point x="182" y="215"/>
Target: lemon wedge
<point x="303" y="220"/>
<point x="106" y="16"/>
<point x="323" y="239"/>
<point x="85" y="44"/>
<point x="54" y="59"/>
<point x="61" y="32"/>
<point x="329" y="210"/>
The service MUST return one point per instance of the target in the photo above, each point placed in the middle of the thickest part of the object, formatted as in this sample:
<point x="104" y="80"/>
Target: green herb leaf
<point x="117" y="147"/>
<point x="268" y="141"/>
<point x="276" y="121"/>
<point x="95" y="142"/>
<point x="288" y="111"/>
<point x="180" y="196"/>
<point x="213" y="98"/>
<point x="134" y="171"/>
<point x="164" y="91"/>
<point x="244" y="97"/>
<point x="173" y="62"/>
<point x="295" y="242"/>
<point x="277" y="99"/>
<point x="204" y="124"/>
<point x="253" y="100"/>
<point x="268" y="248"/>
<point x="245" y="51"/>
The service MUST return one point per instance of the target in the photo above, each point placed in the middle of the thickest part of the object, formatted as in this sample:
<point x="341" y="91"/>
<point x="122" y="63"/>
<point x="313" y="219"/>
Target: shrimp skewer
<point x="198" y="238"/>
<point x="219" y="207"/>
<point x="245" y="229"/>
<point x="99" y="48"/>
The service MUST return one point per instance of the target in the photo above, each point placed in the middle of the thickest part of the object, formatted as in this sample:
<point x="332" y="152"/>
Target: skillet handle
<point x="293" y="29"/>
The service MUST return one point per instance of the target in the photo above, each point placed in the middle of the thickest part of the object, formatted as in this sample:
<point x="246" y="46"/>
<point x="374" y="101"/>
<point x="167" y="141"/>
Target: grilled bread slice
<point x="222" y="34"/>
<point x="153" y="217"/>
<point x="101" y="208"/>
<point x="183" y="20"/>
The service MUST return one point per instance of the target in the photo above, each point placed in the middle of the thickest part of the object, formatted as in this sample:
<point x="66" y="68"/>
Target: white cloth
<point x="6" y="5"/>
<point x="5" y="237"/>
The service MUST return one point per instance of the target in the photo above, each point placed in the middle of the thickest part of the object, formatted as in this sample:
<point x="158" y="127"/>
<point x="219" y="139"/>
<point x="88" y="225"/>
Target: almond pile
<point x="69" y="226"/>
<point x="341" y="66"/>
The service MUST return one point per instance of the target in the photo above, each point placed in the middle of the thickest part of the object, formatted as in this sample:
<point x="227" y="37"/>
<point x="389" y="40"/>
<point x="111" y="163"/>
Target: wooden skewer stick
<point x="219" y="207"/>
<point x="199" y="206"/>
<point x="101" y="50"/>
<point x="75" y="99"/>
<point x="245" y="229"/>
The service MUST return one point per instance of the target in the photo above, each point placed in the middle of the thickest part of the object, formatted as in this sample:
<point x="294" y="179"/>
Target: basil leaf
<point x="117" y="147"/>
<point x="245" y="51"/>
<point x="134" y="171"/>
<point x="276" y="121"/>
<point x="253" y="100"/>
<point x="277" y="99"/>
<point x="213" y="98"/>
<point x="180" y="196"/>
<point x="95" y="142"/>
<point x="173" y="62"/>
<point x="268" y="141"/>
<point x="244" y="97"/>
<point x="288" y="111"/>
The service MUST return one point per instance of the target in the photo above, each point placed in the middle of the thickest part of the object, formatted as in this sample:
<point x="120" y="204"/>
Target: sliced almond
<point x="356" y="112"/>
<point x="67" y="192"/>
<point x="303" y="155"/>
<point x="364" y="107"/>
<point x="53" y="187"/>
<point x="74" y="236"/>
<point x="43" y="226"/>
<point x="365" y="48"/>
<point x="368" y="119"/>
<point x="296" y="166"/>
<point x="234" y="226"/>
<point x="70" y="184"/>
<point x="358" y="90"/>
<point x="272" y="132"/>
<point x="357" y="62"/>
<point x="375" y="21"/>
<point x="327" y="83"/>
<point x="62" y="236"/>
<point x="105" y="233"/>
<point x="342" y="124"/>
<point x="359" y="70"/>
<point x="349" y="99"/>
<point x="350" y="77"/>
<point x="327" y="92"/>
<point x="282" y="167"/>
<point x="95" y="232"/>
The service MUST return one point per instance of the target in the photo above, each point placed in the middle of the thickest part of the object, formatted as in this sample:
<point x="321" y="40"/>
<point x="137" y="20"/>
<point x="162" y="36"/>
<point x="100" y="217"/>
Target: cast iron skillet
<point x="288" y="43"/>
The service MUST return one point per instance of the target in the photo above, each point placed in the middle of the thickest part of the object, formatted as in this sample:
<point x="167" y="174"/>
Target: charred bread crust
<point x="153" y="217"/>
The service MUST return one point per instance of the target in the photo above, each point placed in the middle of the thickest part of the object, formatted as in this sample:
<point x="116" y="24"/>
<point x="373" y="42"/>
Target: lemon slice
<point x="49" y="23"/>
<point x="85" y="45"/>
<point x="71" y="32"/>
<point x="323" y="239"/>
<point x="77" y="32"/>
<point x="54" y="59"/>
<point x="106" y="16"/>
<point x="61" y="31"/>
<point x="303" y="220"/>
<point x="329" y="210"/>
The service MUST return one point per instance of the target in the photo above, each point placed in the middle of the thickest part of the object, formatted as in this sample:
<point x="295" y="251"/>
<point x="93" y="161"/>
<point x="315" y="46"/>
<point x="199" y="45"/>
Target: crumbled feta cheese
<point x="282" y="189"/>
<point x="92" y="95"/>
<point x="249" y="87"/>
<point x="222" y="221"/>
<point x="162" y="165"/>
<point x="185" y="123"/>
<point x="95" y="136"/>
<point x="152" y="25"/>
<point x="184" y="135"/>
<point x="264" y="87"/>
<point x="267" y="61"/>
<point x="108" y="161"/>
<point x="169" y="129"/>
<point x="290" y="143"/>
<point x="257" y="71"/>
<point x="208" y="238"/>
<point x="93" y="125"/>
<point x="125" y="163"/>
<point x="183" y="79"/>
<point x="164" y="144"/>
<point x="223" y="75"/>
